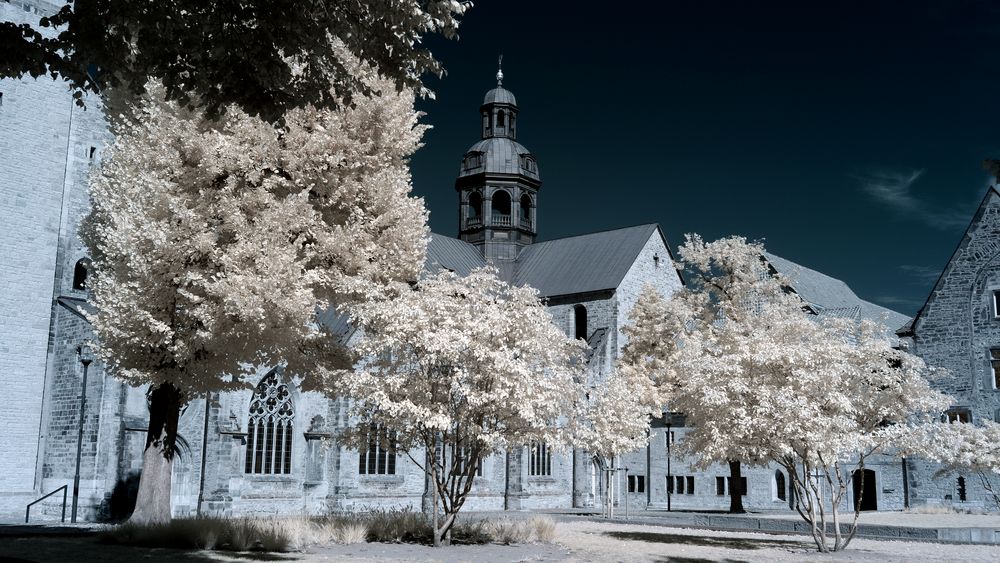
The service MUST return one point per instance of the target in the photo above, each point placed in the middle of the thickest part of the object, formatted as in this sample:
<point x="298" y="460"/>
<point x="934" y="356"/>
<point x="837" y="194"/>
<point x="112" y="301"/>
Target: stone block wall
<point x="956" y="330"/>
<point x="44" y="156"/>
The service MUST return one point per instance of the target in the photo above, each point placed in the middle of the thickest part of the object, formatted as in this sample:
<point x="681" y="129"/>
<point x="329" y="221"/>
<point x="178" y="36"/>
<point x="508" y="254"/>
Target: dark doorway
<point x="864" y="496"/>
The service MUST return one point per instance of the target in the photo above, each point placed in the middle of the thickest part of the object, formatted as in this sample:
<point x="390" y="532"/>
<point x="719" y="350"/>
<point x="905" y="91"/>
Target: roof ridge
<point x="653" y="225"/>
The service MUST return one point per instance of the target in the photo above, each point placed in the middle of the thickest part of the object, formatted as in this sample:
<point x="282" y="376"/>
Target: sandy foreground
<point x="575" y="541"/>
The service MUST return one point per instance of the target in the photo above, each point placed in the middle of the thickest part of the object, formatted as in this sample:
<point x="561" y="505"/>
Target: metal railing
<point x="27" y="510"/>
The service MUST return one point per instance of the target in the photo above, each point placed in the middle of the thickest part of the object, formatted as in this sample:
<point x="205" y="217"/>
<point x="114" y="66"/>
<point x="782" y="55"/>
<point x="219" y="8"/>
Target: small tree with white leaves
<point x="457" y="369"/>
<point x="763" y="380"/>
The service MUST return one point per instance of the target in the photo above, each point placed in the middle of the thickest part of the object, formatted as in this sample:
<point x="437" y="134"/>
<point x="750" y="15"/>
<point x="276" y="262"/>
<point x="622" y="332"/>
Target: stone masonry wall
<point x="955" y="331"/>
<point x="43" y="141"/>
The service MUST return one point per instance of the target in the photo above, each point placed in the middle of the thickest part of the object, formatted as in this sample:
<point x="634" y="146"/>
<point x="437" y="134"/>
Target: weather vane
<point x="500" y="70"/>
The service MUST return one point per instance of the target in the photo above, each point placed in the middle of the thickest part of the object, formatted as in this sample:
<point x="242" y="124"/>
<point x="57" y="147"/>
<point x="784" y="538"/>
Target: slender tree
<point x="455" y="369"/>
<point x="214" y="243"/>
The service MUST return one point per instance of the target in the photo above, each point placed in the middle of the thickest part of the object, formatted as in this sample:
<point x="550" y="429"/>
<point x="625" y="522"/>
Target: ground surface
<point x="577" y="540"/>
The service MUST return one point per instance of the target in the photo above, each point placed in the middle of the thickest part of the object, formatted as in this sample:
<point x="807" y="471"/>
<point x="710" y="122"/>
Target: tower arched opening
<point x="501" y="208"/>
<point x="474" y="210"/>
<point x="526" y="211"/>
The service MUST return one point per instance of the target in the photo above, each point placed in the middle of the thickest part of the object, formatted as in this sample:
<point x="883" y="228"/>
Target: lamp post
<point x="670" y="477"/>
<point x="86" y="356"/>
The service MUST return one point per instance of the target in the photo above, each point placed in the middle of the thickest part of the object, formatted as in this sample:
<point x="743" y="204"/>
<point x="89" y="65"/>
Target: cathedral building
<point x="273" y="448"/>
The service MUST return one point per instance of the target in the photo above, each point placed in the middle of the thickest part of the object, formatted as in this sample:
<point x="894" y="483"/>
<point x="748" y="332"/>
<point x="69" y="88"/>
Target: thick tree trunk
<point x="152" y="503"/>
<point x="735" y="488"/>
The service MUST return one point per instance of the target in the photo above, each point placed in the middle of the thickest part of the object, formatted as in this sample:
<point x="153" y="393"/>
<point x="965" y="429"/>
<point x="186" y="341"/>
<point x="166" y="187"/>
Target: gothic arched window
<point x="269" y="432"/>
<point x="80" y="272"/>
<point x="541" y="460"/>
<point x="779" y="484"/>
<point x="580" y="321"/>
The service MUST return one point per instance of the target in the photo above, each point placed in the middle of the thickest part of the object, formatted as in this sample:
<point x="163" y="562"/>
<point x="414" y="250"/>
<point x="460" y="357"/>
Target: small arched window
<point x="475" y="205"/>
<point x="580" y="321"/>
<point x="526" y="210"/>
<point x="500" y="118"/>
<point x="80" y="274"/>
<point x="779" y="484"/>
<point x="269" y="432"/>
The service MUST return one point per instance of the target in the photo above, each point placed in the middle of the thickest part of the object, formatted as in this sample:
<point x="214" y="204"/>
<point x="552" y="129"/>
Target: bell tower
<point x="498" y="183"/>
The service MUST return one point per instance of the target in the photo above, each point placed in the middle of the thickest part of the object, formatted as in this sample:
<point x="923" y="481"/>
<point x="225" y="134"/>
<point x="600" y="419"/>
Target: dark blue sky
<point x="847" y="135"/>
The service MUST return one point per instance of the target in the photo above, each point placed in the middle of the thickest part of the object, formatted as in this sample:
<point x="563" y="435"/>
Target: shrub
<point x="395" y="526"/>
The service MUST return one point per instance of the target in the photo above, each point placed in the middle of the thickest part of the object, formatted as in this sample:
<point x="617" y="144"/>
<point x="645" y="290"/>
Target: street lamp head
<point x="86" y="354"/>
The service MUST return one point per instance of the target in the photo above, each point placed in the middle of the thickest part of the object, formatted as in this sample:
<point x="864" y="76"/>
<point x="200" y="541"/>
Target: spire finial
<point x="500" y="70"/>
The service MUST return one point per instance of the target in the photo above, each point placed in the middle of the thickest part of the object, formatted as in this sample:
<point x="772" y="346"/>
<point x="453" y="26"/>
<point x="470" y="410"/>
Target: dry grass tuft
<point x="506" y="531"/>
<point x="544" y="528"/>
<point x="349" y="533"/>
<point x="296" y="534"/>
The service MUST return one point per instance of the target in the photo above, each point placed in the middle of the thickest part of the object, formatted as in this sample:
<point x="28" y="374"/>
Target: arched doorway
<point x="864" y="492"/>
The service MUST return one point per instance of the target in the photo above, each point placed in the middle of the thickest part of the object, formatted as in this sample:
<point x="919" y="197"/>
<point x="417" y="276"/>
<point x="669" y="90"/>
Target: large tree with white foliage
<point x="214" y="243"/>
<point x="761" y="379"/>
<point x="455" y="369"/>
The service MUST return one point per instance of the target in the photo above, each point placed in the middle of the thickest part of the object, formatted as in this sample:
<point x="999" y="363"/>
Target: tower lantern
<point x="498" y="182"/>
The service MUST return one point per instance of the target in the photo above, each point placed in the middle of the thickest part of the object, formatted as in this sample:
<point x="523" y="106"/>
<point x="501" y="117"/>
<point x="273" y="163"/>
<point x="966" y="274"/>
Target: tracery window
<point x="269" y="432"/>
<point x="380" y="457"/>
<point x="541" y="460"/>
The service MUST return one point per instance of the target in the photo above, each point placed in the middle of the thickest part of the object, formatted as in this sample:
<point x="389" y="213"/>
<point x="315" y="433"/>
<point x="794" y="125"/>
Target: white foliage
<point x="464" y="366"/>
<point x="761" y="379"/>
<point x="468" y="355"/>
<point x="215" y="243"/>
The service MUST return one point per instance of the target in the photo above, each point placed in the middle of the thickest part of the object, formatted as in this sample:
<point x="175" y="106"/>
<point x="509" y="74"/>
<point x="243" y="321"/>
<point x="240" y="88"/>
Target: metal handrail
<point x="27" y="510"/>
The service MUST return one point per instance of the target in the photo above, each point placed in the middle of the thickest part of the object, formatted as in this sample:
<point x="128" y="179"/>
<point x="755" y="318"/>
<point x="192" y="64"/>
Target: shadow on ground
<point x="698" y="560"/>
<point x="704" y="541"/>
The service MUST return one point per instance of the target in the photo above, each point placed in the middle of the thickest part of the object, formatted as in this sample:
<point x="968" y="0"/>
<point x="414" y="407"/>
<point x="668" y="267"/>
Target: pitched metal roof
<point x="501" y="155"/>
<point x="452" y="254"/>
<point x="832" y="297"/>
<point x="590" y="262"/>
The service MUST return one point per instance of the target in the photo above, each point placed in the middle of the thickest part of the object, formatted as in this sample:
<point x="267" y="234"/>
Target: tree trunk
<point x="152" y="503"/>
<point x="736" y="488"/>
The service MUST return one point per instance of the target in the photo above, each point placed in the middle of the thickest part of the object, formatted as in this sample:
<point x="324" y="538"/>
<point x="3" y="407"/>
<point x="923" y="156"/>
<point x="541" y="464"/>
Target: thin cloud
<point x="895" y="190"/>
<point x="896" y="301"/>
<point x="921" y="273"/>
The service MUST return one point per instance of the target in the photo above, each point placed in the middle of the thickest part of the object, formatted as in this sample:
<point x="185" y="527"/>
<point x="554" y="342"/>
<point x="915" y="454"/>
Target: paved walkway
<point x="946" y="526"/>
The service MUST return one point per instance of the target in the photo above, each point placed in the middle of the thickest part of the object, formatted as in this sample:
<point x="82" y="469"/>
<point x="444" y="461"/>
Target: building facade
<point x="958" y="329"/>
<point x="272" y="448"/>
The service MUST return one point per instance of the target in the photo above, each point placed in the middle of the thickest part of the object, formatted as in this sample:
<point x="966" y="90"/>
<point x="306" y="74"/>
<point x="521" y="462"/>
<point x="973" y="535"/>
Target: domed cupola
<point x="498" y="182"/>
